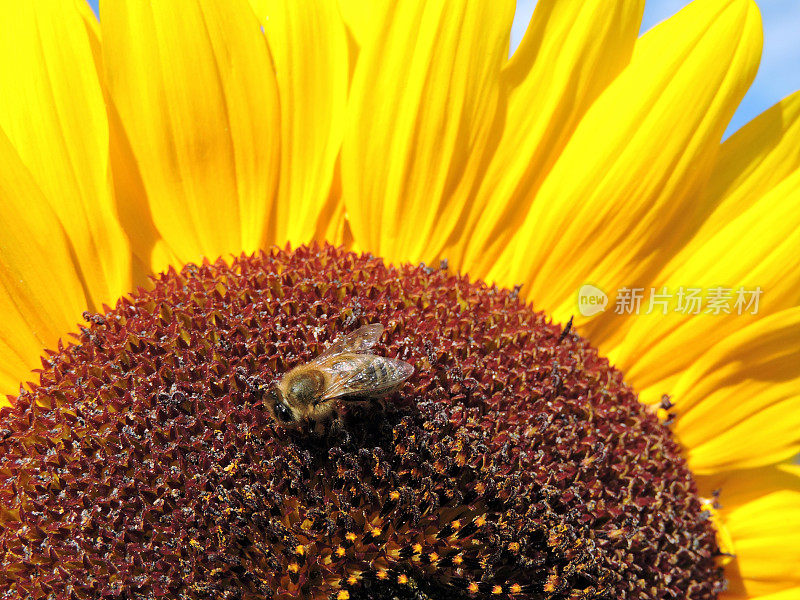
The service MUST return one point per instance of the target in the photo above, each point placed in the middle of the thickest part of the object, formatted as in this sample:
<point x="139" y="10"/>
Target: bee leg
<point x="336" y="429"/>
<point x="323" y="426"/>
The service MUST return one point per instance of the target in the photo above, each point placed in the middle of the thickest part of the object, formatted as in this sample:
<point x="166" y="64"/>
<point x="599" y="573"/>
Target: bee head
<point x="279" y="409"/>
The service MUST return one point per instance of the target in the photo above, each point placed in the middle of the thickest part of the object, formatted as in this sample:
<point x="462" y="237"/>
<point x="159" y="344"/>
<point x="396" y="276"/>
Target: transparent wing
<point x="364" y="375"/>
<point x="358" y="342"/>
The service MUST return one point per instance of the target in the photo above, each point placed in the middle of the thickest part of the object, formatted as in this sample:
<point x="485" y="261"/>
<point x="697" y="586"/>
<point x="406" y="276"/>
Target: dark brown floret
<point x="515" y="462"/>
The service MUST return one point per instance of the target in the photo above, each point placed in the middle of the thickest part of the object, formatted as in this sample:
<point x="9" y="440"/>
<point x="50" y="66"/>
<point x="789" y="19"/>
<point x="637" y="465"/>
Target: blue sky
<point x="778" y="75"/>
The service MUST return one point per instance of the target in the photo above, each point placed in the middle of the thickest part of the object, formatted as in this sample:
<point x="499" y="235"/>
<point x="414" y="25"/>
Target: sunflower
<point x="158" y="140"/>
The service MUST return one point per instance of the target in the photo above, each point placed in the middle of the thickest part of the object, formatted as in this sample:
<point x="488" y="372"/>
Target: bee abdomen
<point x="381" y="375"/>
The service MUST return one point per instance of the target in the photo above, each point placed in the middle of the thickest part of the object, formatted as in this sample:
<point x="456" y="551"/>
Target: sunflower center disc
<point x="515" y="461"/>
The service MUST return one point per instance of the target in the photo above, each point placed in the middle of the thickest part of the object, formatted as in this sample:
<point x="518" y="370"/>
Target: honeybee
<point x="347" y="369"/>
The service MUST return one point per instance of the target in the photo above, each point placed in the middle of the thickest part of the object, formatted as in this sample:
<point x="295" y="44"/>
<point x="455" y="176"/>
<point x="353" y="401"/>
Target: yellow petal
<point x="195" y="89"/>
<point x="132" y="205"/>
<point x="754" y="250"/>
<point x="41" y="296"/>
<point x="363" y="19"/>
<point x="421" y="120"/>
<point x="792" y="593"/>
<point x="738" y="404"/>
<point x="56" y="120"/>
<point x="570" y="53"/>
<point x="621" y="197"/>
<point x="309" y="46"/>
<point x="92" y="26"/>
<point x="754" y="161"/>
<point x="756" y="158"/>
<point x="761" y="511"/>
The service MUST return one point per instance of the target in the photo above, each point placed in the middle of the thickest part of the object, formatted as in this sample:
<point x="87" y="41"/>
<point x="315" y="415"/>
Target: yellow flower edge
<point x="156" y="138"/>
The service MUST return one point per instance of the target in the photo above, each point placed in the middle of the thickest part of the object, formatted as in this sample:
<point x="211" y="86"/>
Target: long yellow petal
<point x="133" y="207"/>
<point x="92" y="26"/>
<point x="756" y="158"/>
<point x="614" y="217"/>
<point x="761" y="512"/>
<point x="195" y="89"/>
<point x="749" y="166"/>
<point x="791" y="593"/>
<point x="309" y="46"/>
<point x="738" y="404"/>
<point x="41" y="296"/>
<point x="421" y="121"/>
<point x="756" y="250"/>
<point x="570" y="53"/>
<point x="363" y="19"/>
<point x="55" y="118"/>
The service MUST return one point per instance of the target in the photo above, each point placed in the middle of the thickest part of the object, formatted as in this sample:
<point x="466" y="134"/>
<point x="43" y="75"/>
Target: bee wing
<point x="364" y="375"/>
<point x="358" y="342"/>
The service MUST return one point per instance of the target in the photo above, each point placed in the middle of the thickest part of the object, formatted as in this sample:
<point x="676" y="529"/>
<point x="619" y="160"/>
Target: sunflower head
<point x="144" y="460"/>
<point x="514" y="462"/>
